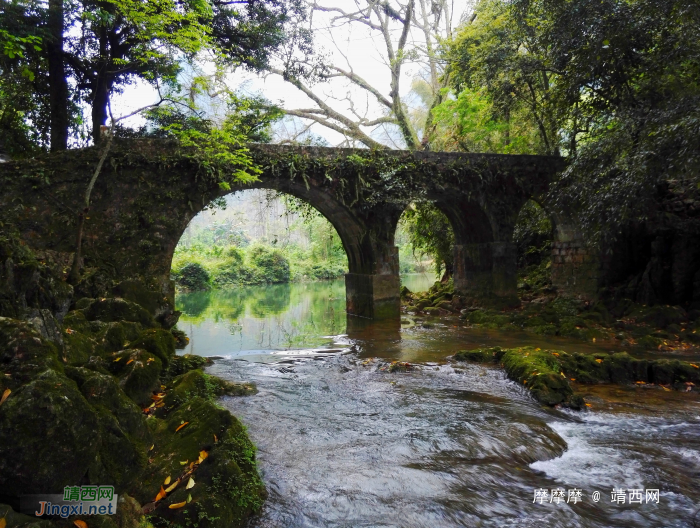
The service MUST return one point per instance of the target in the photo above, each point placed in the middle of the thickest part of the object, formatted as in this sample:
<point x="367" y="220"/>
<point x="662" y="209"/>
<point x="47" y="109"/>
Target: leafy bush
<point x="192" y="276"/>
<point x="272" y="264"/>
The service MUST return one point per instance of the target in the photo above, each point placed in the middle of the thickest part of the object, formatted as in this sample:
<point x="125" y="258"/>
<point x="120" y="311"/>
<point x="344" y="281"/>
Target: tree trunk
<point x="99" y="107"/>
<point x="58" y="86"/>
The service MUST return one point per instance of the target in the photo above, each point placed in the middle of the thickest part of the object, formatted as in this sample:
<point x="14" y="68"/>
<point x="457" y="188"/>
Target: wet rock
<point x="156" y="341"/>
<point x="116" y="309"/>
<point x="23" y="353"/>
<point x="197" y="384"/>
<point x="48" y="407"/>
<point x="181" y="364"/>
<point x="138" y="372"/>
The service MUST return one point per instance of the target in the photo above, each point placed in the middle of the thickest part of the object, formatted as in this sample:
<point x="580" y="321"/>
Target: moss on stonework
<point x="138" y="372"/>
<point x="49" y="435"/>
<point x="227" y="485"/>
<point x="547" y="373"/>
<point x="196" y="383"/>
<point x="23" y="353"/>
<point x="116" y="309"/>
<point x="158" y="342"/>
<point x="181" y="364"/>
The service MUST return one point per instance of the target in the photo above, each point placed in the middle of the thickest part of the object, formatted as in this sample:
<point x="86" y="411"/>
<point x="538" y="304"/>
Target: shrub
<point x="193" y="277"/>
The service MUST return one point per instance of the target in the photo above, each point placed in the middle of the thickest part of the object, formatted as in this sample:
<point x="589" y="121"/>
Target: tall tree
<point x="406" y="32"/>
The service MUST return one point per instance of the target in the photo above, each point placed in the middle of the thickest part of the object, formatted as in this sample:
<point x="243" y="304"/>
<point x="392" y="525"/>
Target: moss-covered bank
<point x="96" y="395"/>
<point x="548" y="373"/>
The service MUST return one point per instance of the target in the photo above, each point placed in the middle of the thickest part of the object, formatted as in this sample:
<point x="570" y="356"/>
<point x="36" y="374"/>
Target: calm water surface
<point x="344" y="443"/>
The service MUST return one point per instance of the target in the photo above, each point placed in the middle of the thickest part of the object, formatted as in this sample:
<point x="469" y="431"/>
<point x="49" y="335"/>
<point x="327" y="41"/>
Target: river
<point x="343" y="442"/>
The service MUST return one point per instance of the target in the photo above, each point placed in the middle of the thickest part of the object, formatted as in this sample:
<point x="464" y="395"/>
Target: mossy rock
<point x="157" y="341"/>
<point x="422" y="304"/>
<point x="19" y="520"/>
<point x="78" y="347"/>
<point x="116" y="309"/>
<point x="102" y="390"/>
<point x="180" y="364"/>
<point x="119" y="335"/>
<point x="49" y="435"/>
<point x="480" y="355"/>
<point x="138" y="372"/>
<point x="23" y="353"/>
<point x="623" y="368"/>
<point x="227" y="487"/>
<point x="197" y="384"/>
<point x="181" y="339"/>
<point x="660" y="316"/>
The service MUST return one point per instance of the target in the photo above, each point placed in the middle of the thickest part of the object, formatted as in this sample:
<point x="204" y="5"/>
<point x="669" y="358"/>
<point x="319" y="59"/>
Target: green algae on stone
<point x="19" y="520"/>
<point x="228" y="487"/>
<point x="48" y="435"/>
<point x="181" y="364"/>
<point x="196" y="383"/>
<point x="138" y="372"/>
<point x="23" y="353"/>
<point x="116" y="309"/>
<point x="158" y="342"/>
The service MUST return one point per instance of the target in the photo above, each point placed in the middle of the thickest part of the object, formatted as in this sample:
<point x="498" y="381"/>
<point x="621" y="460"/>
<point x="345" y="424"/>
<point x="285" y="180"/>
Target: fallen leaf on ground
<point x="172" y="487"/>
<point x="78" y="523"/>
<point x="161" y="495"/>
<point x="216" y="440"/>
<point x="189" y="498"/>
<point x="202" y="456"/>
<point x="694" y="365"/>
<point x="118" y="359"/>
<point x="177" y="505"/>
<point x="130" y="361"/>
<point x="3" y="523"/>
<point x="167" y="480"/>
<point x="183" y="424"/>
<point x="190" y="483"/>
<point x="598" y="360"/>
<point x="4" y="397"/>
<point x="151" y="449"/>
<point x="182" y="463"/>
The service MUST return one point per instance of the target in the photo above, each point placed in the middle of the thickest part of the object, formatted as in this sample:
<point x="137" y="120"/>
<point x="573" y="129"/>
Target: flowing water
<point x="343" y="442"/>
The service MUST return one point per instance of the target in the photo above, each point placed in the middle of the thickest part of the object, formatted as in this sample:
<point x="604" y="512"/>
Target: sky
<point x="350" y="46"/>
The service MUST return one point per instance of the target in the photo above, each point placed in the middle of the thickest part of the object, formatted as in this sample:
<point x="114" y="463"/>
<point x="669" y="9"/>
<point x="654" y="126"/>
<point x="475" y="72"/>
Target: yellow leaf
<point x="177" y="505"/>
<point x="151" y="449"/>
<point x="78" y="523"/>
<point x="594" y="339"/>
<point x="130" y="361"/>
<point x="554" y="354"/>
<point x="563" y="375"/>
<point x="118" y="359"/>
<point x="190" y="483"/>
<point x="598" y="360"/>
<point x="5" y="396"/>
<point x="572" y="379"/>
<point x="694" y="365"/>
<point x="161" y="495"/>
<point x="215" y="439"/>
<point x="182" y="463"/>
<point x="202" y="456"/>
<point x="189" y="498"/>
<point x="3" y="523"/>
<point x="172" y="486"/>
<point x="181" y="426"/>
<point x="167" y="481"/>
<point x="666" y="389"/>
<point x="588" y="405"/>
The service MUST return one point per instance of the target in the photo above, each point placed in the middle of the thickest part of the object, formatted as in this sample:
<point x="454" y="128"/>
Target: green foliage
<point x="192" y="276"/>
<point x="532" y="234"/>
<point x="612" y="84"/>
<point x="430" y="233"/>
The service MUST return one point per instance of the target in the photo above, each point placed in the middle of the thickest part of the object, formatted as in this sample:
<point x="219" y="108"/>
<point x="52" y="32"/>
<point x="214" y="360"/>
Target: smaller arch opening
<point x="425" y="239"/>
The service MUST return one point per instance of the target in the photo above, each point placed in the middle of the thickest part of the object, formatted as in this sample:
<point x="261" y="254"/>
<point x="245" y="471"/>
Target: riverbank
<point x="93" y="393"/>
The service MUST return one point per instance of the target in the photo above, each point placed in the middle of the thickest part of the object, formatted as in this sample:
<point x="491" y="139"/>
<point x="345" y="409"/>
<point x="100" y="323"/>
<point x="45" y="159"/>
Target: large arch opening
<point x="262" y="271"/>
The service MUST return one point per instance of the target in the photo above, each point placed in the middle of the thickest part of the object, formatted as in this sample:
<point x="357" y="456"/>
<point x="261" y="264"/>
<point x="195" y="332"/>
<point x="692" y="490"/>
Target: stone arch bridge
<point x="149" y="190"/>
